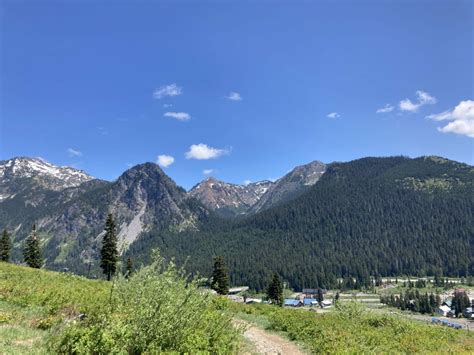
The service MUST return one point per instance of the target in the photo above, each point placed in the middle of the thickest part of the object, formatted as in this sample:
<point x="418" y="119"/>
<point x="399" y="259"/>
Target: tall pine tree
<point x="220" y="276"/>
<point x="109" y="252"/>
<point x="32" y="251"/>
<point x="275" y="290"/>
<point x="129" y="267"/>
<point x="5" y="246"/>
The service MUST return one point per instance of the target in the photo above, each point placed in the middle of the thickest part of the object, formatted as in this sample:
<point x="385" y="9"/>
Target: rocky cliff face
<point x="69" y="207"/>
<point x="290" y="186"/>
<point x="229" y="199"/>
<point x="25" y="175"/>
<point x="72" y="218"/>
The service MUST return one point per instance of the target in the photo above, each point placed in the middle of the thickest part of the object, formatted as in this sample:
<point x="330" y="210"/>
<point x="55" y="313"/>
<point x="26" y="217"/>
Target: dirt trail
<point x="267" y="343"/>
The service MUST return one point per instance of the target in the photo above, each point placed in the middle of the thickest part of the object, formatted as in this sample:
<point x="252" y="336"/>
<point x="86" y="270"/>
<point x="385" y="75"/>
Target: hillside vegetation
<point x="369" y="217"/>
<point x="351" y="329"/>
<point x="157" y="309"/>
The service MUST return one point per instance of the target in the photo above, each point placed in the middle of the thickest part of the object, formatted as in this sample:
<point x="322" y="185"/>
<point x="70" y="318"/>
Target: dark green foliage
<point x="5" y="246"/>
<point x="32" y="250"/>
<point x="220" y="276"/>
<point x="413" y="301"/>
<point x="373" y="216"/>
<point x="129" y="267"/>
<point x="275" y="290"/>
<point x="320" y="295"/>
<point x="109" y="252"/>
<point x="159" y="309"/>
<point x="460" y="302"/>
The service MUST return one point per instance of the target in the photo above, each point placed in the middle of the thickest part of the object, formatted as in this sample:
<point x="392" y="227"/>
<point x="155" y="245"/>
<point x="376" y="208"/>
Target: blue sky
<point x="247" y="90"/>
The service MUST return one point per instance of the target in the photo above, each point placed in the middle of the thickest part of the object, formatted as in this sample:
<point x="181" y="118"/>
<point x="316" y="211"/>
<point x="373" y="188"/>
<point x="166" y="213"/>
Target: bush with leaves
<point x="157" y="309"/>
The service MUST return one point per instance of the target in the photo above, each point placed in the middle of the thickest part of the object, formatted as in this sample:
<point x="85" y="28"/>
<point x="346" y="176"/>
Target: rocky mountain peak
<point x="55" y="177"/>
<point x="291" y="185"/>
<point x="17" y="175"/>
<point x="228" y="199"/>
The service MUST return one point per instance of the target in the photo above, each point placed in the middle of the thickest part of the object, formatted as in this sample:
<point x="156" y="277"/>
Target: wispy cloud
<point x="103" y="131"/>
<point x="203" y="152"/>
<point x="167" y="105"/>
<point x="208" y="171"/>
<point x="74" y="152"/>
<point x="234" y="96"/>
<point x="387" y="108"/>
<point x="333" y="115"/>
<point x="246" y="182"/>
<point x="461" y="117"/>
<point x="164" y="160"/>
<point x="180" y="116"/>
<point x="423" y="98"/>
<point x="167" y="90"/>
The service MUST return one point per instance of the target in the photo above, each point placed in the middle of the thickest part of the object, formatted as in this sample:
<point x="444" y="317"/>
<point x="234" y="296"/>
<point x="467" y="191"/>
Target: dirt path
<point x="267" y="343"/>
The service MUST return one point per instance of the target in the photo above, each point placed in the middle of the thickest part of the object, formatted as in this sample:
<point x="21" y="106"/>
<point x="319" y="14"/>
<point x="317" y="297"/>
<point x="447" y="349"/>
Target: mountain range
<point x="69" y="206"/>
<point x="311" y="208"/>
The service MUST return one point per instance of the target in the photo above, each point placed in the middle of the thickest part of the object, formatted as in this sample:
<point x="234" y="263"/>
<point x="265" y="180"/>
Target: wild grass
<point x="56" y="292"/>
<point x="156" y="310"/>
<point x="353" y="329"/>
<point x="22" y="330"/>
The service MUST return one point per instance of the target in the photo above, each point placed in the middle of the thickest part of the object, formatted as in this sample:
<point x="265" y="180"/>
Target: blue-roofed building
<point x="292" y="303"/>
<point x="310" y="301"/>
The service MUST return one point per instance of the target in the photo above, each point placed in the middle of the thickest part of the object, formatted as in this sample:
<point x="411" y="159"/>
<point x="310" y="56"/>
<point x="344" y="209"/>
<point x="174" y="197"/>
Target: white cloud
<point x="446" y="115"/>
<point x="333" y="115"/>
<point x="180" y="116"/>
<point x="167" y="90"/>
<point x="202" y="152"/>
<point x="164" y="160"/>
<point x="103" y="131"/>
<point x="461" y="117"/>
<point x="74" y="152"/>
<point x="167" y="105"/>
<point x="208" y="171"/>
<point x="234" y="96"/>
<point x="246" y="182"/>
<point x="423" y="98"/>
<point x="387" y="108"/>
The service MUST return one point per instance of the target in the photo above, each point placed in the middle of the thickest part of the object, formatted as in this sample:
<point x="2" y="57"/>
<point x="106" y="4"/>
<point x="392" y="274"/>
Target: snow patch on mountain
<point x="49" y="175"/>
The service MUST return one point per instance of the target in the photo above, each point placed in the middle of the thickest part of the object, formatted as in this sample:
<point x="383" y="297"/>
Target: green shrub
<point x="350" y="328"/>
<point x="157" y="309"/>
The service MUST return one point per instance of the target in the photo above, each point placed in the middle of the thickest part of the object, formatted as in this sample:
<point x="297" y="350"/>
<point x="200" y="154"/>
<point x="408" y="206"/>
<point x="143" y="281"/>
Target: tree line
<point x="364" y="219"/>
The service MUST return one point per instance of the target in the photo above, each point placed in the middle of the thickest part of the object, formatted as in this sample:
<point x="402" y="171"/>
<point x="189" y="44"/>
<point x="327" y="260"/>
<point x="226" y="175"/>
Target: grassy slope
<point x="354" y="330"/>
<point x="32" y="301"/>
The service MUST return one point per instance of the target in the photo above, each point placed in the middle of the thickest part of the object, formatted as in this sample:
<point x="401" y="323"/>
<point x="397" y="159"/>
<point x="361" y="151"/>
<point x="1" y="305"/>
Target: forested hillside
<point x="369" y="217"/>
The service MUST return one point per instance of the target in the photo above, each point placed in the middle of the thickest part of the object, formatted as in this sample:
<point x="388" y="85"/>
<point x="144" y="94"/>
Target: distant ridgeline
<point x="369" y="217"/>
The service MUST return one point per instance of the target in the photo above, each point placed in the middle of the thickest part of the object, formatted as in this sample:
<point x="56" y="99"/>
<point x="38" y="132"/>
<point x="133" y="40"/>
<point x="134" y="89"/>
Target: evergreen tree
<point x="109" y="253"/>
<point x="433" y="302"/>
<point x="5" y="246"/>
<point x="275" y="290"/>
<point x="220" y="276"/>
<point x="320" y="295"/>
<point x="460" y="302"/>
<point x="32" y="250"/>
<point x="129" y="267"/>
